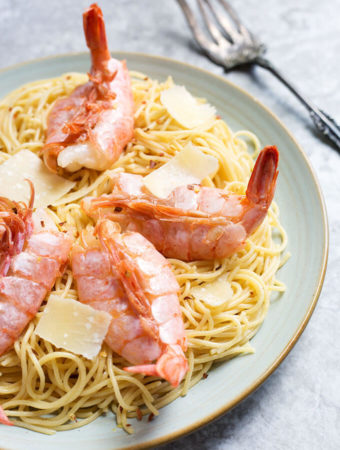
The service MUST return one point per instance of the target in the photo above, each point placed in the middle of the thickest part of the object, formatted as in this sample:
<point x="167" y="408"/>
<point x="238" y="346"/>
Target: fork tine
<point x="235" y="17"/>
<point x="226" y="26"/>
<point x="206" y="45"/>
<point x="213" y="30"/>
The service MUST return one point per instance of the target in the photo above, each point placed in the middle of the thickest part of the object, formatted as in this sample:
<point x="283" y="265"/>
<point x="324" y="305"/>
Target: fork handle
<point x="322" y="121"/>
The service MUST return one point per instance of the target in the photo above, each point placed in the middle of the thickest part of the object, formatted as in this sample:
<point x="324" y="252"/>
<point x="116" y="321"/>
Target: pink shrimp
<point x="15" y="225"/>
<point x="32" y="254"/>
<point x="91" y="127"/>
<point x="194" y="222"/>
<point x="29" y="274"/>
<point x="124" y="275"/>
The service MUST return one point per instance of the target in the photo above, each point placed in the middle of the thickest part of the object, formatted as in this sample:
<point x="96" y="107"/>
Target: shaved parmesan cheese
<point x="69" y="324"/>
<point x="215" y="293"/>
<point x="26" y="165"/>
<point x="189" y="166"/>
<point x="185" y="109"/>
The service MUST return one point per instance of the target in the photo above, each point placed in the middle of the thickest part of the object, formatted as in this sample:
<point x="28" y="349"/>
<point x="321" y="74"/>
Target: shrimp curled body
<point x="91" y="127"/>
<point x="124" y="275"/>
<point x="194" y="222"/>
<point x="31" y="275"/>
<point x="32" y="254"/>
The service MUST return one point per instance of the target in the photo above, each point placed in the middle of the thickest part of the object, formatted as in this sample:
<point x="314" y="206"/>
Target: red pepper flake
<point x="161" y="154"/>
<point x="120" y="409"/>
<point x="42" y="223"/>
<point x="151" y="416"/>
<point x="128" y="425"/>
<point x="10" y="109"/>
<point x="61" y="224"/>
<point x="144" y="102"/>
<point x="139" y="414"/>
<point x="193" y="187"/>
<point x="118" y="209"/>
<point x="205" y="376"/>
<point x="152" y="164"/>
<point x="218" y="117"/>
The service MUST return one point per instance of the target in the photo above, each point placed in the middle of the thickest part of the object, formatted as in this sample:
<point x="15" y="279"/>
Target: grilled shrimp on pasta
<point x="91" y="127"/>
<point x="194" y="222"/>
<point x="33" y="254"/>
<point x="124" y="275"/>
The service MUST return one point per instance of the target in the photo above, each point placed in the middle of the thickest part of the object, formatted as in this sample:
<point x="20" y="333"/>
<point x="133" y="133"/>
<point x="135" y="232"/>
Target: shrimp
<point x="15" y="225"/>
<point x="194" y="222"/>
<point x="124" y="275"/>
<point x="37" y="253"/>
<point x="32" y="254"/>
<point x="91" y="127"/>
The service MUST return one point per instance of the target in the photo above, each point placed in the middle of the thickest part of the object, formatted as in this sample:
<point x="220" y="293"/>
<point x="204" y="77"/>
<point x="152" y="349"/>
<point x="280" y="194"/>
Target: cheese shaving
<point x="189" y="166"/>
<point x="215" y="293"/>
<point x="26" y="165"/>
<point x="71" y="325"/>
<point x="185" y="109"/>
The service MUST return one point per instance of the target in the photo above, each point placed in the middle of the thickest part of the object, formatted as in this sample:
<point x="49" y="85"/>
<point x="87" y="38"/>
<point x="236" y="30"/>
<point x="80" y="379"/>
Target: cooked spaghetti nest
<point x="47" y="389"/>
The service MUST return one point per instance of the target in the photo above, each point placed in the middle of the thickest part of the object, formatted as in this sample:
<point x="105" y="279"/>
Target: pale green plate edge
<point x="317" y="219"/>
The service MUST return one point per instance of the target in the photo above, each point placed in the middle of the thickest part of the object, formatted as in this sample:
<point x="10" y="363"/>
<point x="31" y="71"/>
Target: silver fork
<point x="230" y="44"/>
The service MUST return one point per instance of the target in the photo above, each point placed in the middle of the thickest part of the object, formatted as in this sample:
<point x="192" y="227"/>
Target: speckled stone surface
<point x="298" y="407"/>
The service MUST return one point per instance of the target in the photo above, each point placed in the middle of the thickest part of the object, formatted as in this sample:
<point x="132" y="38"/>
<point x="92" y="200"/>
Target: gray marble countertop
<point x="298" y="407"/>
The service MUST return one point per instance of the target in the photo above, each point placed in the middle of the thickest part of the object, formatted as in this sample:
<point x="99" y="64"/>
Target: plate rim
<point x="322" y="271"/>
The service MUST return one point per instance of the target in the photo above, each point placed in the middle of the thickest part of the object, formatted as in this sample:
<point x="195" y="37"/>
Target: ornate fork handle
<point x="229" y="43"/>
<point x="324" y="123"/>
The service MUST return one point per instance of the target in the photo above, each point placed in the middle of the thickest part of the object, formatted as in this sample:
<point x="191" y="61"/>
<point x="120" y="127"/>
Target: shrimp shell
<point x="91" y="127"/>
<point x="124" y="275"/>
<point x="31" y="275"/>
<point x="194" y="222"/>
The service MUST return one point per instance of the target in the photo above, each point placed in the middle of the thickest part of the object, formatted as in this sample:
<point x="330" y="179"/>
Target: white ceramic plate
<point x="302" y="214"/>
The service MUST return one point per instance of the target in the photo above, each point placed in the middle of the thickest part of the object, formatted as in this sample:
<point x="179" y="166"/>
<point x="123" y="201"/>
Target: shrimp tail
<point x="94" y="29"/>
<point x="261" y="186"/>
<point x="3" y="418"/>
<point x="172" y="366"/>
